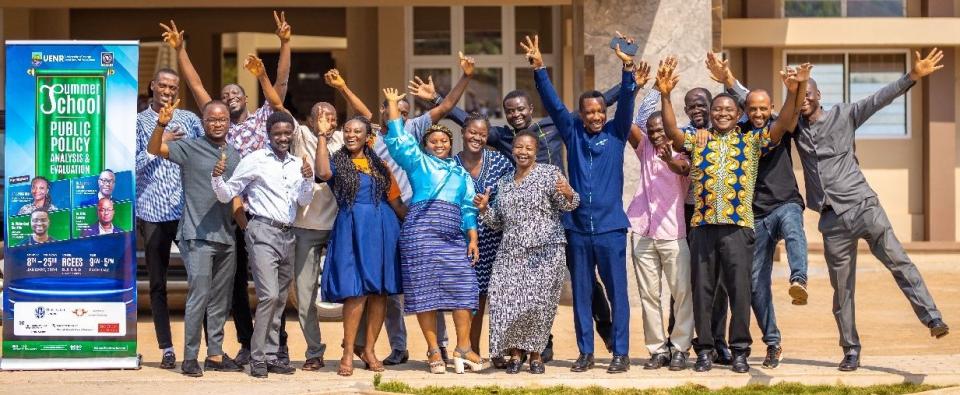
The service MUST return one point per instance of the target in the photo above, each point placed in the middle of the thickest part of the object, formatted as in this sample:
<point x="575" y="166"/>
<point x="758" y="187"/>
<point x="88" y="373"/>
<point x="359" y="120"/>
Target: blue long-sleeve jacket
<point x="594" y="161"/>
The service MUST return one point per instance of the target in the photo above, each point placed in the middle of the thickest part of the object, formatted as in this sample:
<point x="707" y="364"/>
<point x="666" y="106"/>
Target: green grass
<point x="689" y="389"/>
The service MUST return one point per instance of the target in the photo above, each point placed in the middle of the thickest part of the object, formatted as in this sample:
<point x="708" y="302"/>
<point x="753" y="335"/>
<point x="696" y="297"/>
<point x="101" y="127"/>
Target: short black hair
<point x="278" y="117"/>
<point x="244" y="91"/>
<point x="214" y="102"/>
<point x="515" y="94"/>
<point x="728" y="96"/>
<point x="475" y="117"/>
<point x="165" y="70"/>
<point x="594" y="94"/>
<point x="527" y="133"/>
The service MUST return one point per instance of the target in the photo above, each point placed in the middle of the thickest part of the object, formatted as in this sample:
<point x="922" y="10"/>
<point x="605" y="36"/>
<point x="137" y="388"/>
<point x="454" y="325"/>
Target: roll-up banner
<point x="70" y="290"/>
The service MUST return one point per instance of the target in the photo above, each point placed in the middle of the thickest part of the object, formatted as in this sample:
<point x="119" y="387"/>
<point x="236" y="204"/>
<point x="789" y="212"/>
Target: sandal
<point x="460" y="360"/>
<point x="345" y="370"/>
<point x="375" y="366"/>
<point x="436" y="367"/>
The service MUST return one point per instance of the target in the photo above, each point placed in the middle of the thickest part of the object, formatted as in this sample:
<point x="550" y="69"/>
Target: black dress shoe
<point x="190" y="367"/>
<point x="397" y="357"/>
<point x="169" y="360"/>
<point x="225" y="365"/>
<point x="278" y="367"/>
<point x="619" y="364"/>
<point x="243" y="357"/>
<point x="514" y="366"/>
<point x="656" y="361"/>
<point x="850" y="363"/>
<point x="536" y="367"/>
<point x="283" y="355"/>
<point x="679" y="361"/>
<point x="547" y="354"/>
<point x="583" y="363"/>
<point x="704" y="361"/>
<point x="938" y="328"/>
<point x="740" y="364"/>
<point x="722" y="356"/>
<point x="258" y="369"/>
<point x="772" y="360"/>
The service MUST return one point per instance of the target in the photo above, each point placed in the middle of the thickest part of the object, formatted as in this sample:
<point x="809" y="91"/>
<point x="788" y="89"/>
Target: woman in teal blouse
<point x="436" y="260"/>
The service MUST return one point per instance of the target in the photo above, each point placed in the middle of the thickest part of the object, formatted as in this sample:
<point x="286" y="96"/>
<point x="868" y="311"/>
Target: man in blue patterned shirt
<point x="160" y="198"/>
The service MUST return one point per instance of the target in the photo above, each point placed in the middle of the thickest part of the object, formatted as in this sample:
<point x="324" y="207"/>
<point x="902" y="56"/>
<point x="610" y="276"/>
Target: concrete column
<point x="391" y="53"/>
<point x="361" y="65"/>
<point x="246" y="44"/>
<point x="940" y="139"/>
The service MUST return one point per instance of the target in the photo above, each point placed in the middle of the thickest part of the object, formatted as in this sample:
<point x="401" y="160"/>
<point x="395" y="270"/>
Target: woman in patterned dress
<point x="530" y="266"/>
<point x="362" y="264"/>
<point x="486" y="167"/>
<point x="436" y="260"/>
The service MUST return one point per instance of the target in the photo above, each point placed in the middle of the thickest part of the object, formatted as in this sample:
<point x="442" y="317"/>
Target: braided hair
<point x="437" y="128"/>
<point x="347" y="177"/>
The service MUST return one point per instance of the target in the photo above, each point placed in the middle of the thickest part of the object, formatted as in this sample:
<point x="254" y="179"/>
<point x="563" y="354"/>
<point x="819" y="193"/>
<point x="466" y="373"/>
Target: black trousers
<point x="157" y="238"/>
<point x="722" y="255"/>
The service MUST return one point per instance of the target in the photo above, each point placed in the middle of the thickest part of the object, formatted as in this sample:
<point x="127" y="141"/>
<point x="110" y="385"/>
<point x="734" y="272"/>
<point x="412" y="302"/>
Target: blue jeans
<point x="784" y="223"/>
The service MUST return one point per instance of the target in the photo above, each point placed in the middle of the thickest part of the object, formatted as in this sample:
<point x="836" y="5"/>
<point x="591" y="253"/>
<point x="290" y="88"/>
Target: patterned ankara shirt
<point x="251" y="134"/>
<point x="159" y="192"/>
<point x="723" y="174"/>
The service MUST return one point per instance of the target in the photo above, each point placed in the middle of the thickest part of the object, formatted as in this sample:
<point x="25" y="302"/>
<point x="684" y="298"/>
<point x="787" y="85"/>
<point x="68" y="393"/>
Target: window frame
<point x="908" y="58"/>
<point x="507" y="61"/>
<point x="843" y="11"/>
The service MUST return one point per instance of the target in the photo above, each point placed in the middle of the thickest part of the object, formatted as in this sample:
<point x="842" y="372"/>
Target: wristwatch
<point x="437" y="100"/>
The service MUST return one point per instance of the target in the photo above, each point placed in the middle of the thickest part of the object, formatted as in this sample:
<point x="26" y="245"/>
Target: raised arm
<point x="336" y="81"/>
<point x="284" y="32"/>
<point x="321" y="161"/>
<point x="548" y="95"/>
<point x="720" y="72"/>
<point x="467" y="65"/>
<point x="158" y="144"/>
<point x="174" y="38"/>
<point x="922" y="67"/>
<point x="254" y="65"/>
<point x="403" y="148"/>
<point x="427" y="92"/>
<point x="667" y="80"/>
<point x="623" y="117"/>
<point x="796" y="81"/>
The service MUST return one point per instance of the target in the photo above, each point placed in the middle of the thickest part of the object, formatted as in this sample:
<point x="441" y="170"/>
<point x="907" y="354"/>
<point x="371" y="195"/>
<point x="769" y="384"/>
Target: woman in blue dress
<point x="486" y="167"/>
<point x="363" y="264"/>
<point x="436" y="259"/>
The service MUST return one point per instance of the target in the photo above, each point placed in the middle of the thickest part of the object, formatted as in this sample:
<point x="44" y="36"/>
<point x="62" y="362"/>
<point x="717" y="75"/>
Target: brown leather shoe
<point x="313" y="364"/>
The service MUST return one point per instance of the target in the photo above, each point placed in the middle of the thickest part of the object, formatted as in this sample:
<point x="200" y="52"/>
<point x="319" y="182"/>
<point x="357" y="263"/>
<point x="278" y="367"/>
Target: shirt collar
<point x="271" y="153"/>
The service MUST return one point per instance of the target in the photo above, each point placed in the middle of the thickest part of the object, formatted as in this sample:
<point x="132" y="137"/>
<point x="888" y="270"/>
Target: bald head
<point x="759" y="107"/>
<point x="322" y="109"/>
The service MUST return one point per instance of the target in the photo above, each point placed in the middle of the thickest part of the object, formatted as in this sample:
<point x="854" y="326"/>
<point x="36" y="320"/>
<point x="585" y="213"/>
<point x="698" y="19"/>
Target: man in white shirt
<point x="274" y="184"/>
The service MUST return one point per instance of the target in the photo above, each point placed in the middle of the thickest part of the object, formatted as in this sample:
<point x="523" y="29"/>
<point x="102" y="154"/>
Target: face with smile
<point x="593" y="112"/>
<point x="280" y="135"/>
<point x="403" y="106"/>
<point x="438" y="144"/>
<point x="696" y="105"/>
<point x="811" y="102"/>
<point x="724" y="113"/>
<point x="40" y="222"/>
<point x="355" y="135"/>
<point x="759" y="109"/>
<point x="475" y="136"/>
<point x="525" y="151"/>
<point x="655" y="132"/>
<point x="519" y="112"/>
<point x="165" y="88"/>
<point x="216" y="121"/>
<point x="235" y="98"/>
<point x="40" y="189"/>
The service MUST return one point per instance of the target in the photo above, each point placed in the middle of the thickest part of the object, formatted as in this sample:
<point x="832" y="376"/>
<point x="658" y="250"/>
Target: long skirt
<point x="436" y="271"/>
<point x="524" y="293"/>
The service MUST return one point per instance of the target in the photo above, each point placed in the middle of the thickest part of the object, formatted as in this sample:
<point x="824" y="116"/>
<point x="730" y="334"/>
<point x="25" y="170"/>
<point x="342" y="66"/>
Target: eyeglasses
<point x="220" y="121"/>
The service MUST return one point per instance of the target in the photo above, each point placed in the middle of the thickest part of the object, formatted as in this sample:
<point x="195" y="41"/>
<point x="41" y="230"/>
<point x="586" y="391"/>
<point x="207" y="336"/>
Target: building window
<point x="847" y="77"/>
<point x="491" y="34"/>
<point x="843" y="8"/>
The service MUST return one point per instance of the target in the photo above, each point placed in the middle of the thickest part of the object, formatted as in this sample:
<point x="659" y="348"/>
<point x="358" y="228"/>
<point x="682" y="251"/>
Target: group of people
<point x="408" y="227"/>
<point x="42" y="204"/>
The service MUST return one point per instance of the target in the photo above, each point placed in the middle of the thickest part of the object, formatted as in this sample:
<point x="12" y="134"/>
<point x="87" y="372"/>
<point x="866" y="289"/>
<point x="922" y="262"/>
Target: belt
<point x="274" y="223"/>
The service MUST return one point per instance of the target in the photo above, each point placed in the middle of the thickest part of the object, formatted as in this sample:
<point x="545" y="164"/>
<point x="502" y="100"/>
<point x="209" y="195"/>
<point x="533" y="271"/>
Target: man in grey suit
<point x="849" y="209"/>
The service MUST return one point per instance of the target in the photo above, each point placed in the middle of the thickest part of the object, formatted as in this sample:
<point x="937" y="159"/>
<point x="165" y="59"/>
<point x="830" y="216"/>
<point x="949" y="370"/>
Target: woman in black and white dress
<point x="528" y="274"/>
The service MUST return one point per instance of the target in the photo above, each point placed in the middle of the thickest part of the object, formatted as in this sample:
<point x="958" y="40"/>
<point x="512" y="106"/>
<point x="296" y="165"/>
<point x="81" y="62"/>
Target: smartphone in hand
<point x="625" y="47"/>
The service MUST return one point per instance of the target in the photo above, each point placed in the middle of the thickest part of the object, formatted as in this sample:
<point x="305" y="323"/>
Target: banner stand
<point x="70" y="364"/>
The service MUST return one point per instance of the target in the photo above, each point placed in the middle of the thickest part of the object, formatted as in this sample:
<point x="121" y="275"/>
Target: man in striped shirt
<point x="160" y="198"/>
